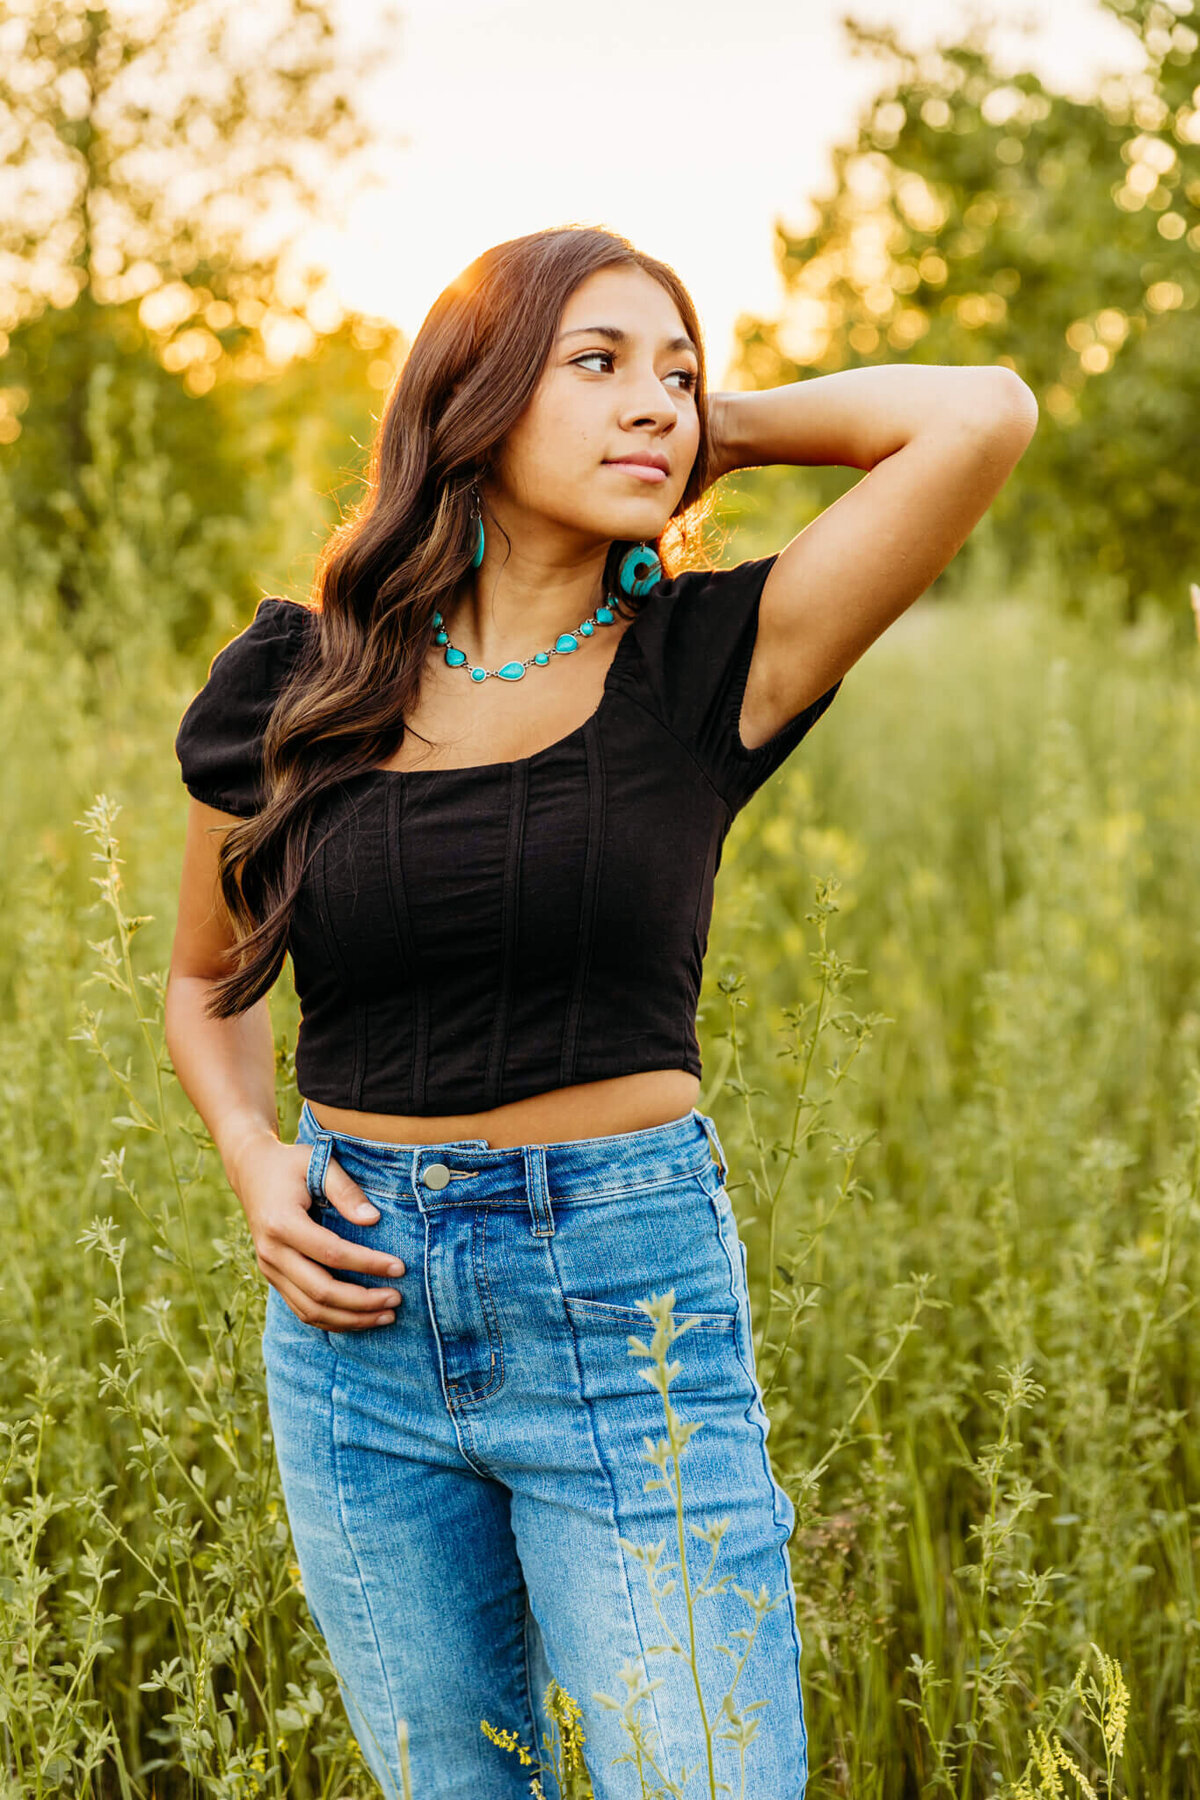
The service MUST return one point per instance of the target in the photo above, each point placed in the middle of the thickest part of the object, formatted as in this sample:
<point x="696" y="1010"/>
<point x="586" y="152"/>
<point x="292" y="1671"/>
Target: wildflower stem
<point x="685" y="1577"/>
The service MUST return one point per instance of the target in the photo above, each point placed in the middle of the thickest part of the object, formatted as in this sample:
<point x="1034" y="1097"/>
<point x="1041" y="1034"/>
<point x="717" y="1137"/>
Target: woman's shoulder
<point x="275" y="635"/>
<point x="697" y="609"/>
<point x="691" y="625"/>
<point x="262" y="654"/>
<point x="218" y="742"/>
<point x="696" y="635"/>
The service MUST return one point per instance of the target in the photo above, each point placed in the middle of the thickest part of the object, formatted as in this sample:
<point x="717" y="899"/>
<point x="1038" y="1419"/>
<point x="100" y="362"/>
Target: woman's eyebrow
<point x="616" y="336"/>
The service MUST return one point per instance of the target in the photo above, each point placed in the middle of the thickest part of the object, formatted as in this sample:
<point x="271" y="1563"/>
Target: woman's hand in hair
<point x="723" y="457"/>
<point x="296" y="1254"/>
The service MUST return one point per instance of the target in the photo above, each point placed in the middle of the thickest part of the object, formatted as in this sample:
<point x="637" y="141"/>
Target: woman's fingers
<point x="327" y="1318"/>
<point x="318" y="1299"/>
<point x="309" y="1274"/>
<point x="325" y="1246"/>
<point x="344" y="1194"/>
<point x="296" y="1253"/>
<point x="346" y="1197"/>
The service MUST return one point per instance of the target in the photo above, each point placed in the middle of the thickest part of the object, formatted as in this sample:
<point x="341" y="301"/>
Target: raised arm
<point x="939" y="443"/>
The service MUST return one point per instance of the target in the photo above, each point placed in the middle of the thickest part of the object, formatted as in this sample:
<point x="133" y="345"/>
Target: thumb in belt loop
<point x="318" y="1163"/>
<point x="714" y="1144"/>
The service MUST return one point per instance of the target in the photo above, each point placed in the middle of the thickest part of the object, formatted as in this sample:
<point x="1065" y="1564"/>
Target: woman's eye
<point x="690" y="378"/>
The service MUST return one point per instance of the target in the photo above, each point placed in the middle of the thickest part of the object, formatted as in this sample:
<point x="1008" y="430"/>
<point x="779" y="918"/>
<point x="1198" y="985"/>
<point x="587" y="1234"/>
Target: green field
<point x="957" y="944"/>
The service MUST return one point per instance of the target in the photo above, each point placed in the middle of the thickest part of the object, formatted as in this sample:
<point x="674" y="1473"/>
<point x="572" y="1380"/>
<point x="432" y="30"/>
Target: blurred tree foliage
<point x="157" y="166"/>
<point x="979" y="217"/>
<point x="210" y="499"/>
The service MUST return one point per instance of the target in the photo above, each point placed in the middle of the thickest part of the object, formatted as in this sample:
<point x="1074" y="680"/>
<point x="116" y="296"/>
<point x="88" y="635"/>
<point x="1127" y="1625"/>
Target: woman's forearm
<point x="856" y="417"/>
<point x="226" y="1068"/>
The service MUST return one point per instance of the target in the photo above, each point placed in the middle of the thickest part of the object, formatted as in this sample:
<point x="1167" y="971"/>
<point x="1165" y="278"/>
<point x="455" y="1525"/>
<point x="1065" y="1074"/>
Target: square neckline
<point x="516" y="762"/>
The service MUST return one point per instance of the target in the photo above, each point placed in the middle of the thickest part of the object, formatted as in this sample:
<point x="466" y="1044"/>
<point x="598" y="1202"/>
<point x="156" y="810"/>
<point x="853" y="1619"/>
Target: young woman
<point x="478" y="793"/>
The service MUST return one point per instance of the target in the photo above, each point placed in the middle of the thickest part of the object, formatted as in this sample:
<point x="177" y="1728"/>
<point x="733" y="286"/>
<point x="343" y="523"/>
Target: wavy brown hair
<point x="399" y="555"/>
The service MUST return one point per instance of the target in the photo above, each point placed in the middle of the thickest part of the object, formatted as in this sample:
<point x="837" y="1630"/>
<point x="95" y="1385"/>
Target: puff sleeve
<point x="219" y="740"/>
<point x="697" y="637"/>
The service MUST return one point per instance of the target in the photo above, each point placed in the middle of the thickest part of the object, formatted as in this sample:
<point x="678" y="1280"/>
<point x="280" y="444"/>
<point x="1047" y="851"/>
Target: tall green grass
<point x="951" y="1023"/>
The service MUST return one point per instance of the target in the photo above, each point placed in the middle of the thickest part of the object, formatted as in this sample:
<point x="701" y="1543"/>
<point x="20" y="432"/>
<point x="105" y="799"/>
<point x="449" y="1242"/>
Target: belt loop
<point x="714" y="1144"/>
<point x="537" y="1189"/>
<point x="318" y="1163"/>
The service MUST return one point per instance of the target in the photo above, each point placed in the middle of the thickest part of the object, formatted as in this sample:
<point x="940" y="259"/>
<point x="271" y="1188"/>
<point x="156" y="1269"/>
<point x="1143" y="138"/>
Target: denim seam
<point x="715" y="1146"/>
<point x="756" y="1401"/>
<point x="484" y="1290"/>
<point x="597" y="1196"/>
<point x="462" y="1417"/>
<point x="455" y="1413"/>
<point x="520" y="1200"/>
<point x="748" y="1414"/>
<point x="612" y="1488"/>
<point x="706" y="1321"/>
<point x="789" y="1601"/>
<point x="529" y="1672"/>
<point x="362" y="1586"/>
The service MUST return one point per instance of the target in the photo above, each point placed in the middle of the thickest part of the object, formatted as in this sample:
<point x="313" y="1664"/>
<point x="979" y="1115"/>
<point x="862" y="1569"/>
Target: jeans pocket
<point x="653" y="1240"/>
<point x="657" y="1240"/>
<point x="610" y="1367"/>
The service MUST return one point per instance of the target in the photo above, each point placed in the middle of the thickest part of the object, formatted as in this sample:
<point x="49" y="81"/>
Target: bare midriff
<point x="590" y="1109"/>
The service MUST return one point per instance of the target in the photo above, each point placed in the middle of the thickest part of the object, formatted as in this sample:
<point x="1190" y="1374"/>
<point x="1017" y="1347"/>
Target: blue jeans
<point x="466" y="1486"/>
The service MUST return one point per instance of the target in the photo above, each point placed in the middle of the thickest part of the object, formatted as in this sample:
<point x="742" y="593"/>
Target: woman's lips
<point x="645" y="471"/>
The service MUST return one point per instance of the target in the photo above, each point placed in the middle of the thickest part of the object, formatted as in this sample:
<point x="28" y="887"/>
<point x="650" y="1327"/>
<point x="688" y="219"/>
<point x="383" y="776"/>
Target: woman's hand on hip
<point x="295" y="1253"/>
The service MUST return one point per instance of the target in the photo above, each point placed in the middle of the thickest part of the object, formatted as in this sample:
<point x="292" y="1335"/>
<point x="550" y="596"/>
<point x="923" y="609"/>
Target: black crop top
<point x="468" y="937"/>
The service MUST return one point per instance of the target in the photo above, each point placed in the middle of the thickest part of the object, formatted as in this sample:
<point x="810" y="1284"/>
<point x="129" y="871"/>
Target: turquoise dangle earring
<point x="477" y="520"/>
<point x="456" y="658"/>
<point x="639" y="569"/>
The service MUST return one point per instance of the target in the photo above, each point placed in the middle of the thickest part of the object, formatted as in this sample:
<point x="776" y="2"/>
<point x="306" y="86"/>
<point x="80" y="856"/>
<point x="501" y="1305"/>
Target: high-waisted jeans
<point x="468" y="1487"/>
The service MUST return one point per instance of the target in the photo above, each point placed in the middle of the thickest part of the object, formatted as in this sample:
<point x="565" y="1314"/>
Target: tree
<point x="982" y="218"/>
<point x="160" y="163"/>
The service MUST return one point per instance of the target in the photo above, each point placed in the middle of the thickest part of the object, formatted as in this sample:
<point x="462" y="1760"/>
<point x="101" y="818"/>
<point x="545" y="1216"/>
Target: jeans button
<point x="436" y="1176"/>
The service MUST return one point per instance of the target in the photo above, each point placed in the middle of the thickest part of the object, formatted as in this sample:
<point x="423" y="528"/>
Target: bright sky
<point x="688" y="126"/>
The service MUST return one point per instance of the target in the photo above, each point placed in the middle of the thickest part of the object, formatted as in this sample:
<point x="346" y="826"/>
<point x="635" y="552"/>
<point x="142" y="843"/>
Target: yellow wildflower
<point x="507" y="1740"/>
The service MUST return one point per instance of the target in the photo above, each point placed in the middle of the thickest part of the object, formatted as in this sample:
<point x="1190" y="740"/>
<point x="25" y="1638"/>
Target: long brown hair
<point x="398" y="557"/>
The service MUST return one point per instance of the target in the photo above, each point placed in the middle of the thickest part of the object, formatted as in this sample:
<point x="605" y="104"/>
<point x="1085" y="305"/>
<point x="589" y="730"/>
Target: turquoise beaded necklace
<point x="513" y="671"/>
<point x="638" y="572"/>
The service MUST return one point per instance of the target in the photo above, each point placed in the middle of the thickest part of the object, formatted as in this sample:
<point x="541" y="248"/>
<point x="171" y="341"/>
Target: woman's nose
<point x="648" y="402"/>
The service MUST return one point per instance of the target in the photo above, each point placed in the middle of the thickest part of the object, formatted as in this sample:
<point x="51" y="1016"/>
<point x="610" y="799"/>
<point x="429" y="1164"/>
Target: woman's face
<point x="624" y="390"/>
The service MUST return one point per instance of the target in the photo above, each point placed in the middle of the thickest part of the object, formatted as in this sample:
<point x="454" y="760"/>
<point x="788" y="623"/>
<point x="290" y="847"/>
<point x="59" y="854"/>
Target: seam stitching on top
<point x="593" y="859"/>
<point x="360" y="1053"/>
<point x="208" y="796"/>
<point x="688" y="1036"/>
<point x="651" y="713"/>
<point x="402" y="923"/>
<point x="518" y="795"/>
<point x="332" y="947"/>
